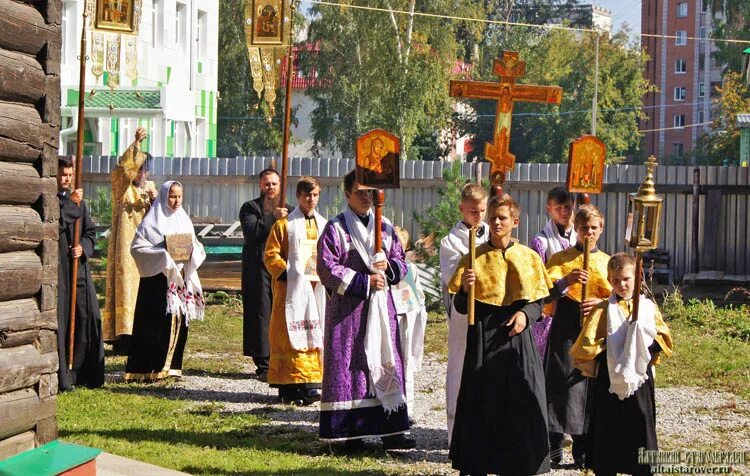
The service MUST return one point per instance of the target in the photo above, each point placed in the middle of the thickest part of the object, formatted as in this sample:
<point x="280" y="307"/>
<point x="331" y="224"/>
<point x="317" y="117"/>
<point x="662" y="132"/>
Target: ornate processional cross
<point x="505" y="92"/>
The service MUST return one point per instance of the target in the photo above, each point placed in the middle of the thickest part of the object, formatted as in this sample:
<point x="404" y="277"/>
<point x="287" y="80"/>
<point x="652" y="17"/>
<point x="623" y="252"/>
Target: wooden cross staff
<point x="506" y="92"/>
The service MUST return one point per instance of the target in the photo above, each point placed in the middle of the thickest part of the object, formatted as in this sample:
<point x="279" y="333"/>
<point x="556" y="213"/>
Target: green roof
<point x="104" y="98"/>
<point x="747" y="51"/>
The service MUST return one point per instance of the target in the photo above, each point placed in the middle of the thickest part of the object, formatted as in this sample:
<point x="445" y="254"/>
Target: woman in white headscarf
<point x="169" y="294"/>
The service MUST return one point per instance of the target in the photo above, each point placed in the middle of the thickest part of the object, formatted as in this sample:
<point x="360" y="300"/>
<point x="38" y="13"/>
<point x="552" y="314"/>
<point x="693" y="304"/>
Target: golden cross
<point x="506" y="92"/>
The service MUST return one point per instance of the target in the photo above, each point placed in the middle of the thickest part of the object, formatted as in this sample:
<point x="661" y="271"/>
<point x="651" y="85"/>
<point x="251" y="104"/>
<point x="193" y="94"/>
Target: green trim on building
<point x="200" y="67"/>
<point x="114" y="136"/>
<point x="148" y="125"/>
<point x="169" y="73"/>
<point x="170" y="140"/>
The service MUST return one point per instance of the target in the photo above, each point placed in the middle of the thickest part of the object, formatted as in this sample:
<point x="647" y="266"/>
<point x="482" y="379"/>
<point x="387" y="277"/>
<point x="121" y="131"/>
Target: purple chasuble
<point x="541" y="244"/>
<point x="348" y="406"/>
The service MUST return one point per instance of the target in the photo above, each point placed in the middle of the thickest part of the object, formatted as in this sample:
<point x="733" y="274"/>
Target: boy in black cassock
<point x="501" y="416"/>
<point x="619" y="354"/>
<point x="88" y="359"/>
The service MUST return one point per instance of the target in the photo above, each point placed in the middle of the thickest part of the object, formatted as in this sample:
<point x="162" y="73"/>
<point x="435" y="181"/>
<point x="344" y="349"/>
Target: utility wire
<point x="512" y="23"/>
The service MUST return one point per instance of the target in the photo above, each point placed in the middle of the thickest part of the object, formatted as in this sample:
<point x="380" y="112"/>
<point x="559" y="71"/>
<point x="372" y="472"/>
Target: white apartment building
<point x="174" y="96"/>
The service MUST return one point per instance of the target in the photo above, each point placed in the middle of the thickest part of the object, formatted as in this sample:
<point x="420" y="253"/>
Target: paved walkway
<point x="113" y="465"/>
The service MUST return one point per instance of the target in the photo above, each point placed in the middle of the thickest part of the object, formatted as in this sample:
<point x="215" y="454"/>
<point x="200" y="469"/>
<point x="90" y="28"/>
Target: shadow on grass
<point x="330" y="469"/>
<point x="294" y="439"/>
<point x="178" y="393"/>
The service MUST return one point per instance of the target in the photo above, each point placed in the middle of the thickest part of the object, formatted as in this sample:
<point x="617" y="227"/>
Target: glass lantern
<point x="644" y="213"/>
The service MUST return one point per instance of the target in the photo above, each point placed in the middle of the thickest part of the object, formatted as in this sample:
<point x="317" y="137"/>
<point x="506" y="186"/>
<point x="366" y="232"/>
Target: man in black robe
<point x="88" y="358"/>
<point x="257" y="217"/>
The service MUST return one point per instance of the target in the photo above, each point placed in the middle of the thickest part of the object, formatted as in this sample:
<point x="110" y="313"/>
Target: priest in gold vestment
<point x="295" y="331"/>
<point x="132" y="196"/>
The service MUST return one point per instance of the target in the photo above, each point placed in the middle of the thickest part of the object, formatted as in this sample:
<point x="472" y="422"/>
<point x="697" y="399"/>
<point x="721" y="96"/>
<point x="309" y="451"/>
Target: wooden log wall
<point x="30" y="39"/>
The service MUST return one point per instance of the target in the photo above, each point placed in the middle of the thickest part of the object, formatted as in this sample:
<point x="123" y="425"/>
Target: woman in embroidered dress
<point x="169" y="293"/>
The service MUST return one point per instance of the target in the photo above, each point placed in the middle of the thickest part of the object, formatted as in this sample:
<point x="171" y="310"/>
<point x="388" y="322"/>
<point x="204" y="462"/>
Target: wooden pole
<point x="695" y="258"/>
<point x="378" y="199"/>
<point x="287" y="109"/>
<point x="638" y="284"/>
<point x="586" y="265"/>
<point x="77" y="183"/>
<point x="472" y="257"/>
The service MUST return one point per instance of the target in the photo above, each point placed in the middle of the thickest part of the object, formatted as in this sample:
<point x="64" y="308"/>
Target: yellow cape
<point x="504" y="277"/>
<point x="563" y="263"/>
<point x="592" y="339"/>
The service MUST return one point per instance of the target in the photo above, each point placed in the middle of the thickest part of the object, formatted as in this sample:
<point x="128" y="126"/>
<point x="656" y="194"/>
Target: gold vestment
<point x="286" y="364"/>
<point x="504" y="277"/>
<point x="128" y="209"/>
<point x="592" y="339"/>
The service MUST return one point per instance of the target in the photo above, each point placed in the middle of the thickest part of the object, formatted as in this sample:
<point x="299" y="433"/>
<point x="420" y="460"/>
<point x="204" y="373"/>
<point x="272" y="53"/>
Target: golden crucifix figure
<point x="506" y="92"/>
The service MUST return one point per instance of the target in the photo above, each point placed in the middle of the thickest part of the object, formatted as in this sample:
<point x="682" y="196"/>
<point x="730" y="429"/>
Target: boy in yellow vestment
<point x="296" y="328"/>
<point x="567" y="388"/>
<point x="501" y="415"/>
<point x="619" y="353"/>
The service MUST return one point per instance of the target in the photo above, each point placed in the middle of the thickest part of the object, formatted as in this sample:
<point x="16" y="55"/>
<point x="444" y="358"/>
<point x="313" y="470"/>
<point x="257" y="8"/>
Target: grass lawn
<point x="147" y="423"/>
<point x="150" y="423"/>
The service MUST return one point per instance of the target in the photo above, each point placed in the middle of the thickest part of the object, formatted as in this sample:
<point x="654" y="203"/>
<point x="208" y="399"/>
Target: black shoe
<point x="262" y="375"/>
<point x="311" y="397"/>
<point x="398" y="442"/>
<point x="354" y="445"/>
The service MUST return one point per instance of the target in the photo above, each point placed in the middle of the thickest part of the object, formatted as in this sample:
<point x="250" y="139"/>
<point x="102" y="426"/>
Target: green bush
<point x="437" y="222"/>
<point x="731" y="322"/>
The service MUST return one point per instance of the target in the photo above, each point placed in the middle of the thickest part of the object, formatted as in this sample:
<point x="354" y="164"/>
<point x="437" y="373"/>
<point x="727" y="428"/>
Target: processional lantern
<point x="644" y="213"/>
<point x="268" y="34"/>
<point x="644" y="218"/>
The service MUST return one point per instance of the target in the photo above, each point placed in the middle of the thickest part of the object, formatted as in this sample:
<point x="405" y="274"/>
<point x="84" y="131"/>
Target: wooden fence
<point x="218" y="187"/>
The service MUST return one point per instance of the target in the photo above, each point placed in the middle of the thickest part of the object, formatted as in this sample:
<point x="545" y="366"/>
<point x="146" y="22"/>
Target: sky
<point x="622" y="11"/>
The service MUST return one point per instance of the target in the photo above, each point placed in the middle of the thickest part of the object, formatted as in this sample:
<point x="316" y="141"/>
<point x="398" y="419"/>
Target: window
<point x="681" y="39"/>
<point x="157" y="23"/>
<point x="678" y="149"/>
<point x="202" y="34"/>
<point x="715" y="85"/>
<point x="701" y="90"/>
<point x="679" y="120"/>
<point x="180" y="28"/>
<point x="682" y="10"/>
<point x="680" y="94"/>
<point x="701" y="117"/>
<point x="704" y="6"/>
<point x="702" y="33"/>
<point x="680" y="66"/>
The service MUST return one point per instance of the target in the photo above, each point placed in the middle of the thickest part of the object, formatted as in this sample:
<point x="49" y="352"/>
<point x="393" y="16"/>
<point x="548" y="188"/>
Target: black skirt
<point x="620" y="427"/>
<point x="158" y="341"/>
<point x="567" y="389"/>
<point x="501" y="415"/>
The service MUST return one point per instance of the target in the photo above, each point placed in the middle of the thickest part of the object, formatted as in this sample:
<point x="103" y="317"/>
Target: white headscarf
<point x="151" y="257"/>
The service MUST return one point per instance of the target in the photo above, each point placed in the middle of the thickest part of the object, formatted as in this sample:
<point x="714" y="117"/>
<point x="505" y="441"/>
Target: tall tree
<point x="383" y="69"/>
<point x="243" y="125"/>
<point x="722" y="144"/>
<point x="732" y="22"/>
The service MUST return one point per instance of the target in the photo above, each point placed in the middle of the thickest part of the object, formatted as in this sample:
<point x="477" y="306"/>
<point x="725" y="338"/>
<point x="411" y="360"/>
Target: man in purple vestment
<point x="363" y="375"/>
